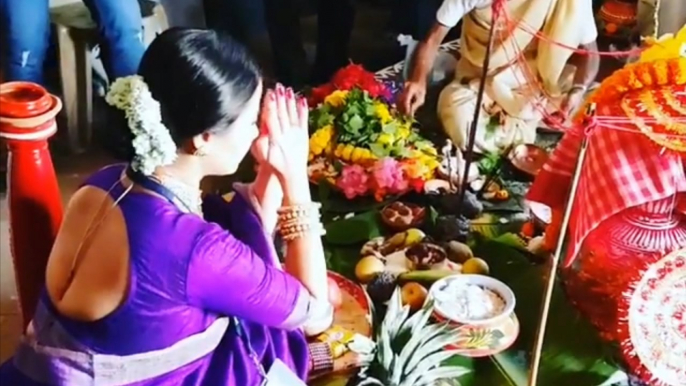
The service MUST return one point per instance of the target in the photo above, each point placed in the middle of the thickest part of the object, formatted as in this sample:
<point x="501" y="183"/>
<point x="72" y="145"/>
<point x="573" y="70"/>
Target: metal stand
<point x="469" y="152"/>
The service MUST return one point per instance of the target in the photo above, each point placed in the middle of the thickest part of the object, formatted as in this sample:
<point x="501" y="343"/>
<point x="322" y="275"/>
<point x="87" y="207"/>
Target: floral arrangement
<point x="152" y="143"/>
<point x="360" y="144"/>
<point x="641" y="75"/>
<point x="649" y="91"/>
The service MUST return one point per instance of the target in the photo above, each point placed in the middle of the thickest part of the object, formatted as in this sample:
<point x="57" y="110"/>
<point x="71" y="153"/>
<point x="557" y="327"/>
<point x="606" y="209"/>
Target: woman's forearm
<point x="269" y="196"/>
<point x="305" y="255"/>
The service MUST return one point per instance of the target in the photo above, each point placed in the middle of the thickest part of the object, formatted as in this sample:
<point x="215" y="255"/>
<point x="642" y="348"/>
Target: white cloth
<point x="506" y="91"/>
<point x="452" y="11"/>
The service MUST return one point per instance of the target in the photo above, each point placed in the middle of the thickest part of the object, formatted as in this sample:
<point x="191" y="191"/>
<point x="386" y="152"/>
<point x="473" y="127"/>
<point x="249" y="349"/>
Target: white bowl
<point x="442" y="307"/>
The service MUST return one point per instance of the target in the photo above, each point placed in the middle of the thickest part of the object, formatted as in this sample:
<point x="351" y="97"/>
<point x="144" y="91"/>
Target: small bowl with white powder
<point x="475" y="300"/>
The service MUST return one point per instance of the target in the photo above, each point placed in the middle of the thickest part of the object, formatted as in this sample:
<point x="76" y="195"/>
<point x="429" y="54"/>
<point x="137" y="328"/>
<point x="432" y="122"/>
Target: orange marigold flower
<point x="661" y="72"/>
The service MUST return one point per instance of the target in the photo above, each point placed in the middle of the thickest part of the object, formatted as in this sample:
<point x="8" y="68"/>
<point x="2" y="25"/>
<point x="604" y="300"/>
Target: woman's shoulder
<point x="105" y="177"/>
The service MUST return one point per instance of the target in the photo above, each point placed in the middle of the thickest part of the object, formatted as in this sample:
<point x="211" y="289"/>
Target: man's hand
<point x="572" y="101"/>
<point x="412" y="97"/>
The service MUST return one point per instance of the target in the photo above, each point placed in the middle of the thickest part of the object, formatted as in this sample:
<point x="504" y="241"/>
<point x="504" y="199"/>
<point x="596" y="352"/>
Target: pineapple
<point x="409" y="351"/>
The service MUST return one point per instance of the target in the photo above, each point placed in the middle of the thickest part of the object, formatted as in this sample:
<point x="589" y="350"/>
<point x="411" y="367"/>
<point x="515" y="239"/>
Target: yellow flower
<point x="347" y="152"/>
<point x="385" y="139"/>
<point x="381" y="111"/>
<point x="668" y="46"/>
<point x="338" y="152"/>
<point x="336" y="98"/>
<point x="404" y="132"/>
<point x="321" y="139"/>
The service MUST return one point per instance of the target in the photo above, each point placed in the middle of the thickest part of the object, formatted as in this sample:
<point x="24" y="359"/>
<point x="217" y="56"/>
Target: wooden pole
<point x="552" y="272"/>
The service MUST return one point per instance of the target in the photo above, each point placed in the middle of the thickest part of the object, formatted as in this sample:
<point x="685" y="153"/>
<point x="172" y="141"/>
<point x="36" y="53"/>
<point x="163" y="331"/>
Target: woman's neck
<point x="184" y="170"/>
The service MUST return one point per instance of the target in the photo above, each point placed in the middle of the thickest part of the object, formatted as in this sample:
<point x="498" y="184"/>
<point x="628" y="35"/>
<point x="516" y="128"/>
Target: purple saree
<point x="186" y="275"/>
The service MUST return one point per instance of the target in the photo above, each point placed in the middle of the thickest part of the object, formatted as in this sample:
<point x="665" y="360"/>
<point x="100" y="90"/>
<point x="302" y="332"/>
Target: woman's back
<point x="159" y="251"/>
<point x="130" y="272"/>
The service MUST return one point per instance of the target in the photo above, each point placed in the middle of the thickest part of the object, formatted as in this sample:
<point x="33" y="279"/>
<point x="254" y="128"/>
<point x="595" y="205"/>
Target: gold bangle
<point x="294" y="211"/>
<point x="297" y="221"/>
<point x="296" y="231"/>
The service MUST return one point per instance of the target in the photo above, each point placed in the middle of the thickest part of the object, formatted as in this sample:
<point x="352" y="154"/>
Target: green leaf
<point x="492" y="126"/>
<point x="432" y="217"/>
<point x="354" y="230"/>
<point x="511" y="240"/>
<point x="323" y="194"/>
<point x="342" y="259"/>
<point x="378" y="150"/>
<point x="390" y="127"/>
<point x="355" y="123"/>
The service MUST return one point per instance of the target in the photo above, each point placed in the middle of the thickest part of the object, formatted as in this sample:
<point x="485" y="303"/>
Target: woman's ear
<point x="200" y="143"/>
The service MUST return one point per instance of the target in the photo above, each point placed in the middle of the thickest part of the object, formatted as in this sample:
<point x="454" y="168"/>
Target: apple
<point x="335" y="296"/>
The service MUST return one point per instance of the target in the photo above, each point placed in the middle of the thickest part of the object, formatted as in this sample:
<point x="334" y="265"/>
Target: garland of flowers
<point x="639" y="89"/>
<point x="639" y="76"/>
<point x="152" y="143"/>
<point x="360" y="144"/>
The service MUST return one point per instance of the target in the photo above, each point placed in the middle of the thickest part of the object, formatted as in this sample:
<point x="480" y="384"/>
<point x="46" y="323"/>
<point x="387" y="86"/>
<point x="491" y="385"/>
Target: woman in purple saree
<point x="149" y="283"/>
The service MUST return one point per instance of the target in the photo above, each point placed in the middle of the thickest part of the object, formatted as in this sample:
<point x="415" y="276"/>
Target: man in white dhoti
<point x="513" y="106"/>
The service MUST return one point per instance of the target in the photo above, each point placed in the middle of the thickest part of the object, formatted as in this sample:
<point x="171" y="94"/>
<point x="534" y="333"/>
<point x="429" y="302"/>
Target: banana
<point x="426" y="277"/>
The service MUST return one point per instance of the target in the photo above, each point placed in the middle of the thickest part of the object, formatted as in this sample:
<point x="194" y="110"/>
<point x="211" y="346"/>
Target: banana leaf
<point x="573" y="354"/>
<point x="354" y="230"/>
<point x="515" y="203"/>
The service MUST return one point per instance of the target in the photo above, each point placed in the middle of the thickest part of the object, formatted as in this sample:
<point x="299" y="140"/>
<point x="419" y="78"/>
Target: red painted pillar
<point x="27" y="120"/>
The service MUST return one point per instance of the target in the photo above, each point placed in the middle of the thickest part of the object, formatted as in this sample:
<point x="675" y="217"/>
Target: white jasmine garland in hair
<point x="152" y="143"/>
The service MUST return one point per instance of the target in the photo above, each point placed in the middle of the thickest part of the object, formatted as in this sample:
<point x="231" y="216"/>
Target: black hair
<point x="202" y="80"/>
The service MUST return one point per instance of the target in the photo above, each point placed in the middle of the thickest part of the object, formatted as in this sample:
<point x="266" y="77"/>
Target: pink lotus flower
<point x="353" y="181"/>
<point x="387" y="175"/>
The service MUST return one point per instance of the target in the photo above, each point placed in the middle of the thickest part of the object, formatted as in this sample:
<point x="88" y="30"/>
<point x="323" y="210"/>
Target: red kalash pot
<point x="629" y="278"/>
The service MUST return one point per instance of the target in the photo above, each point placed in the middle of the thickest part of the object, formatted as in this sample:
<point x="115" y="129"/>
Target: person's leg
<point x="25" y="38"/>
<point x="335" y="21"/>
<point x="121" y="25"/>
<point x="283" y="25"/>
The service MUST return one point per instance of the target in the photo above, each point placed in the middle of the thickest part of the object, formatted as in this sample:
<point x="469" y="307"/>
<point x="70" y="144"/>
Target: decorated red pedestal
<point x="614" y="255"/>
<point x="27" y="120"/>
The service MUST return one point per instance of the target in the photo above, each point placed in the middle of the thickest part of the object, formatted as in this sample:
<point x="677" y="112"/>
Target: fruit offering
<point x="426" y="256"/>
<point x="368" y="268"/>
<point x="384" y="247"/>
<point x="458" y="252"/>
<point x="361" y="144"/>
<point x="413" y="295"/>
<point x="382" y="286"/>
<point x="475" y="266"/>
<point x="400" y="216"/>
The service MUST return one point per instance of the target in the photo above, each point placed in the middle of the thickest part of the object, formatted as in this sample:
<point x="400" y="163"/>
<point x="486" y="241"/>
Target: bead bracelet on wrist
<point x="321" y="359"/>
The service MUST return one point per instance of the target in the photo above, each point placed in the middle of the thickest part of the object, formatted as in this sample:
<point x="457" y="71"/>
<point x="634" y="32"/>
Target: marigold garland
<point x="646" y="81"/>
<point x="638" y="76"/>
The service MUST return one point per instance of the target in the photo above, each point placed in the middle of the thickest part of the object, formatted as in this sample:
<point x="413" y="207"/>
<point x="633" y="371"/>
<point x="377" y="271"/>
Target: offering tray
<point x="355" y="312"/>
<point x="483" y="341"/>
